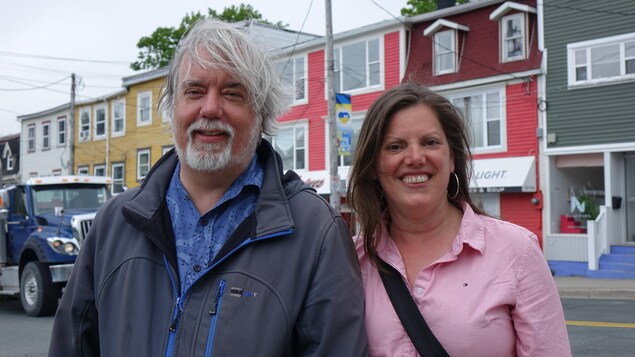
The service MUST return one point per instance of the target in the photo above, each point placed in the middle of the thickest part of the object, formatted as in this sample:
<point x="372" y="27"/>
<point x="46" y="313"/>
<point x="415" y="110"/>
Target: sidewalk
<point x="582" y="287"/>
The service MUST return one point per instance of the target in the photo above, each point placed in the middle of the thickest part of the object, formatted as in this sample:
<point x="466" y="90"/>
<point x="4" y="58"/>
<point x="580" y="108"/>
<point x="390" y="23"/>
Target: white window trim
<point x="82" y="170"/>
<point x="46" y="124"/>
<point x="123" y="128"/>
<point x="9" y="162"/>
<point x="501" y="89"/>
<point x="31" y="139"/>
<point x="453" y="50"/>
<point x="139" y="153"/>
<point x="290" y="61"/>
<point x="304" y="123"/>
<point x="63" y="134"/>
<point x="503" y="39"/>
<point x="382" y="64"/>
<point x="587" y="45"/>
<point x="97" y="167"/>
<point x="84" y="135"/>
<point x="95" y="109"/>
<point x="116" y="180"/>
<point x="140" y="97"/>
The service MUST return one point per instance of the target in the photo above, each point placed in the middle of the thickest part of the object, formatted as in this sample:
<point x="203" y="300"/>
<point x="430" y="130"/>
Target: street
<point x="596" y="328"/>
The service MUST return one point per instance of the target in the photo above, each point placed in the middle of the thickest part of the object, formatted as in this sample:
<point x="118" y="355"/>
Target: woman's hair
<point x="215" y="44"/>
<point x="365" y="194"/>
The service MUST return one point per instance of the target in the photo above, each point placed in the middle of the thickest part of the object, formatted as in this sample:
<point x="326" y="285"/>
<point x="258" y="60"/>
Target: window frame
<point x="141" y="152"/>
<point x="121" y="181"/>
<point x="46" y="135"/>
<point x="523" y="36"/>
<point x="292" y="62"/>
<point x="114" y="119"/>
<point x="99" y="167"/>
<point x="84" y="128"/>
<point x="304" y="125"/>
<point x="140" y="97"/>
<point x="587" y="47"/>
<point x="61" y="134"/>
<point x="452" y="51"/>
<point x="104" y="122"/>
<point x="30" y="146"/>
<point x="339" y="66"/>
<point x="9" y="160"/>
<point x="502" y="117"/>
<point x="82" y="170"/>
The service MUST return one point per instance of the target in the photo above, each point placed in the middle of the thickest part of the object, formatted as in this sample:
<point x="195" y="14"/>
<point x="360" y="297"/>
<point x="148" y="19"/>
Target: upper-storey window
<point x="357" y="65"/>
<point x="484" y="113"/>
<point x="46" y="135"/>
<point x="31" y="138"/>
<point x="513" y="38"/>
<point x="144" y="108"/>
<point x="100" y="121"/>
<point x="444" y="52"/>
<point x="61" y="131"/>
<point x="293" y="72"/>
<point x="609" y="59"/>
<point x="84" y="124"/>
<point x="118" y="117"/>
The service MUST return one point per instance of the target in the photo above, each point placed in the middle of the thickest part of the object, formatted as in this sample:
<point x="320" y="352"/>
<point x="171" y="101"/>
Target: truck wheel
<point x="38" y="293"/>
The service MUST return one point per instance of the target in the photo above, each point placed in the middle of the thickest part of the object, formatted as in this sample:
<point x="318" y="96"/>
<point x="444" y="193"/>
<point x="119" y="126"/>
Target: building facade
<point x="9" y="160"/>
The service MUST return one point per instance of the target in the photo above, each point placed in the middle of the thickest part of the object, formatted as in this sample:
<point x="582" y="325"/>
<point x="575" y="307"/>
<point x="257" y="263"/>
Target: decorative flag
<point x="343" y="110"/>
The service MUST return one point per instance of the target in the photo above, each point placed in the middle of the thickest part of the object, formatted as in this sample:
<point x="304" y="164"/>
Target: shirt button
<point x="419" y="290"/>
<point x="204" y="221"/>
<point x="197" y="267"/>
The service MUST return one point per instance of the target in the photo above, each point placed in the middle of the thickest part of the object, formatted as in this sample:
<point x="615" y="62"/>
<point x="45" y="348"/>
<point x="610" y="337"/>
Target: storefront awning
<point x="509" y="174"/>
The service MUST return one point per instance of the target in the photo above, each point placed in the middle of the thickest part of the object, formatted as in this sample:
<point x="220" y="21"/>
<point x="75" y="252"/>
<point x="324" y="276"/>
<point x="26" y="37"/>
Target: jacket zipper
<point x="178" y="310"/>
<point x="214" y="310"/>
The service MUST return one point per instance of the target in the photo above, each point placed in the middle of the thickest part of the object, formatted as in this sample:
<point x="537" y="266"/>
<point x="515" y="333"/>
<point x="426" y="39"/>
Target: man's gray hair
<point x="215" y="44"/>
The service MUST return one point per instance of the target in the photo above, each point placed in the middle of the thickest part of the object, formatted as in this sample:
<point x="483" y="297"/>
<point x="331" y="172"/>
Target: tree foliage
<point x="156" y="50"/>
<point x="423" y="6"/>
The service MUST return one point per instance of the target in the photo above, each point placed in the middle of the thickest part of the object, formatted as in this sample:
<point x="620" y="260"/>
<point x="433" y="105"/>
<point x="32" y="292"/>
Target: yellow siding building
<point x="123" y="134"/>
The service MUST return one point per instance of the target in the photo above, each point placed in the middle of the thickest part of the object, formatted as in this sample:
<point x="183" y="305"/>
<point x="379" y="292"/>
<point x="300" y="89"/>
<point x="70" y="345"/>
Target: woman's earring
<point x="456" y="193"/>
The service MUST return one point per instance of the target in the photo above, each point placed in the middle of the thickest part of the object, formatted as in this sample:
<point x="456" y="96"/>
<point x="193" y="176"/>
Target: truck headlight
<point x="61" y="245"/>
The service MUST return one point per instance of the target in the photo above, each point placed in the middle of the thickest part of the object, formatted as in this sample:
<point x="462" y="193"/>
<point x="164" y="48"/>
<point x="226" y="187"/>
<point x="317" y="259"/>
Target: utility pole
<point x="71" y="128"/>
<point x="335" y="199"/>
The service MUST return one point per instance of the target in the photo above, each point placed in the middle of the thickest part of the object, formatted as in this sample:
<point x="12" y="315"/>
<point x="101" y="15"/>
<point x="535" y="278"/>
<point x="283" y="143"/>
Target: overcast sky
<point x="32" y="30"/>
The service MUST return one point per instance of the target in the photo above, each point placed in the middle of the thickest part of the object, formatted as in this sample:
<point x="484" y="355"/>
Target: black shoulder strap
<point x="422" y="337"/>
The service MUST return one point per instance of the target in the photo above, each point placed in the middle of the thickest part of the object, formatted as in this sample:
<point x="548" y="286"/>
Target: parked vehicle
<point x="42" y="226"/>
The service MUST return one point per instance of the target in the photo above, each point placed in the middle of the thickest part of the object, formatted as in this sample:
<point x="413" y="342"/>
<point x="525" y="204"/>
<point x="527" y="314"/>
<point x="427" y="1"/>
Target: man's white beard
<point x="213" y="157"/>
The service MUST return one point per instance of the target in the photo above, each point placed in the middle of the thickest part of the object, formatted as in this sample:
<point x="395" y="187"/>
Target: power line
<point x="27" y="55"/>
<point x="27" y="84"/>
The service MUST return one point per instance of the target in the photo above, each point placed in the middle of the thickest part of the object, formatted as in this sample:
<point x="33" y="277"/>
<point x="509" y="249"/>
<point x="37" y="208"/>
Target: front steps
<point x="618" y="264"/>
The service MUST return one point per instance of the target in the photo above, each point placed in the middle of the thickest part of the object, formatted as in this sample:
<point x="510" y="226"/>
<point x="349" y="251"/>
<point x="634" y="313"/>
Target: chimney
<point x="442" y="4"/>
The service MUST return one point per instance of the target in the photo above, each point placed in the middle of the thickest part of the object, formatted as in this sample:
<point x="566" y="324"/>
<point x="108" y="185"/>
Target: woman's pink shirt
<point x="491" y="294"/>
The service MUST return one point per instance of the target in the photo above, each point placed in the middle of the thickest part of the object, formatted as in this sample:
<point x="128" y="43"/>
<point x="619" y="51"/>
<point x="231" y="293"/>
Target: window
<point x="46" y="135"/>
<point x="100" y="122"/>
<point x="82" y="170"/>
<point x="143" y="163"/>
<point x="61" y="131"/>
<point x="117" y="185"/>
<point x="144" y="108"/>
<point x="119" y="117"/>
<point x="444" y="52"/>
<point x="9" y="162"/>
<point x="357" y="65"/>
<point x="57" y="172"/>
<point x="484" y="115"/>
<point x="291" y="144"/>
<point x="31" y="138"/>
<point x="293" y="72"/>
<point x="84" y="124"/>
<point x="99" y="170"/>
<point x="610" y="59"/>
<point x="356" y="125"/>
<point x="513" y="39"/>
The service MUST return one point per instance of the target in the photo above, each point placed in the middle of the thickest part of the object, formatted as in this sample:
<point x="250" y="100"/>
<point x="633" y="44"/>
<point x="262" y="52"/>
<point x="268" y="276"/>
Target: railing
<point x="597" y="238"/>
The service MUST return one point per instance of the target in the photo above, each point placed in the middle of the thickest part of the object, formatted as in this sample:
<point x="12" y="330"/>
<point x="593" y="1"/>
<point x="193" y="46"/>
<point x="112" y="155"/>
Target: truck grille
<point x="81" y="225"/>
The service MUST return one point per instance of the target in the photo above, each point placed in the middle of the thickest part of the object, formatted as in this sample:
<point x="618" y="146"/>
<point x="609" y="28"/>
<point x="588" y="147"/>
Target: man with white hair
<point x="217" y="253"/>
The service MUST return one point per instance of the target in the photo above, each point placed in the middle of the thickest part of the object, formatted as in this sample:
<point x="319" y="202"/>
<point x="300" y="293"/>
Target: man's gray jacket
<point x="286" y="283"/>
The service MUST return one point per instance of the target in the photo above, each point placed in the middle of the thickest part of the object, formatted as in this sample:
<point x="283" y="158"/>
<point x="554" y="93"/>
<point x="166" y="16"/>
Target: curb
<point x="590" y="293"/>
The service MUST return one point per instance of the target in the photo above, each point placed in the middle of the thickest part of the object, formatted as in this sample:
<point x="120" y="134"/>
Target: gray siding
<point x="591" y="115"/>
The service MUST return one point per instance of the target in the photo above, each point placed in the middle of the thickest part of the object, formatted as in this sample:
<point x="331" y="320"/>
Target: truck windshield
<point x="79" y="196"/>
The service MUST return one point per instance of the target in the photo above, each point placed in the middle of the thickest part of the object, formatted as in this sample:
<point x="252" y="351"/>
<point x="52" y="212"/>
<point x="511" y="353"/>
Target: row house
<point x="9" y="160"/>
<point x="45" y="149"/>
<point x="589" y="149"/>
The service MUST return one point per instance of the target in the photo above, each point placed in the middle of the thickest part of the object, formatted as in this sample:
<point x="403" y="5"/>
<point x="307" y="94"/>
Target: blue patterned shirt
<point x="200" y="237"/>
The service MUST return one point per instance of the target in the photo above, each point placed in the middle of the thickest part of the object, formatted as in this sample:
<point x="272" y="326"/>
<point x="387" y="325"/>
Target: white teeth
<point x="415" y="179"/>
